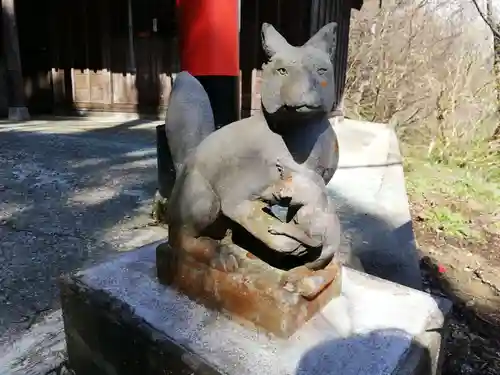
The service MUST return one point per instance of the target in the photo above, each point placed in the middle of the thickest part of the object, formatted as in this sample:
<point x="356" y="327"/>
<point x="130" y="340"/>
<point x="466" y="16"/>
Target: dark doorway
<point x="33" y="23"/>
<point x="153" y="30"/>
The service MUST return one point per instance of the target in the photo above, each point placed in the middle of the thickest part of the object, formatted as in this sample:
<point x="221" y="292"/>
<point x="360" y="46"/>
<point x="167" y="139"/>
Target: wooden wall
<point x="4" y="105"/>
<point x="106" y="74"/>
<point x="76" y="54"/>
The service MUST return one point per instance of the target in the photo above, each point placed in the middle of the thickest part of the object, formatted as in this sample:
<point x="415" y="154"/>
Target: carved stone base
<point x="252" y="294"/>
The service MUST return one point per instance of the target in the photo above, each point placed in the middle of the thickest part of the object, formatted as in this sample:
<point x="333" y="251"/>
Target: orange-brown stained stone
<point x="253" y="294"/>
<point x="336" y="146"/>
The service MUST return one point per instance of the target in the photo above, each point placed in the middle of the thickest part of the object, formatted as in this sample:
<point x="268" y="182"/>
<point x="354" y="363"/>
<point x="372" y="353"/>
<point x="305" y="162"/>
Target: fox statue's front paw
<point x="308" y="283"/>
<point x="224" y="260"/>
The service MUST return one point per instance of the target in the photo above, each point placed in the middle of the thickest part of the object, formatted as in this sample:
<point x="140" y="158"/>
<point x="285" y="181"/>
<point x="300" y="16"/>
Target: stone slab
<point x="120" y="320"/>
<point x="370" y="192"/>
<point x="255" y="293"/>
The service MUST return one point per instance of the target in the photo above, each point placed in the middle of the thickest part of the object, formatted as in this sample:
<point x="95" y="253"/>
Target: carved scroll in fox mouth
<point x="224" y="238"/>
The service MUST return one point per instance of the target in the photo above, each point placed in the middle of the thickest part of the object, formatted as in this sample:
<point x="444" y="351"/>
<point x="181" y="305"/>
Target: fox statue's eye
<point x="322" y="71"/>
<point x="282" y="71"/>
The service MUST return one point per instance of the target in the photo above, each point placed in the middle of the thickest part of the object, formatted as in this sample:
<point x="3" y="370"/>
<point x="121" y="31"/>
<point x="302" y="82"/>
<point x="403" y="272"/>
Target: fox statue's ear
<point x="272" y="40"/>
<point x="325" y="39"/>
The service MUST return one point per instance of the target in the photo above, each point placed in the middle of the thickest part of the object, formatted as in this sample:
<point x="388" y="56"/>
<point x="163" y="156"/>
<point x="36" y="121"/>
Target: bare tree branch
<point x="487" y="20"/>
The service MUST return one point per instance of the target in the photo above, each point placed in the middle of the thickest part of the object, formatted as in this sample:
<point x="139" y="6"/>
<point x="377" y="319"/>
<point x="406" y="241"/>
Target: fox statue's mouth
<point x="308" y="108"/>
<point x="294" y="115"/>
<point x="305" y="108"/>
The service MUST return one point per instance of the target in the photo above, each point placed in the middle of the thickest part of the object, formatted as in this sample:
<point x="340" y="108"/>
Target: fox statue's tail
<point x="189" y="118"/>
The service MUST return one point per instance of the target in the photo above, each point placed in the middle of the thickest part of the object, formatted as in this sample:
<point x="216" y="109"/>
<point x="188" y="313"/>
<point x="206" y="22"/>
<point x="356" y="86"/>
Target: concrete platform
<point x="120" y="320"/>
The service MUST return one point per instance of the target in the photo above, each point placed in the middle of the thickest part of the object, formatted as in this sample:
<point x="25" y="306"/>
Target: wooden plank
<point x="124" y="91"/>
<point x="97" y="35"/>
<point x="81" y="87"/>
<point x="105" y="14"/>
<point x="99" y="86"/>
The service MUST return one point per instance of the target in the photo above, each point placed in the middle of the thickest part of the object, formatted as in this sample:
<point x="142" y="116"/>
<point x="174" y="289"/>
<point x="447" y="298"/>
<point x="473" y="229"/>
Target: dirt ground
<point x="468" y="273"/>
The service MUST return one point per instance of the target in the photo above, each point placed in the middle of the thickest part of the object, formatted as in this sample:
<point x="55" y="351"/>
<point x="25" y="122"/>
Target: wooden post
<point x="17" y="101"/>
<point x="131" y="50"/>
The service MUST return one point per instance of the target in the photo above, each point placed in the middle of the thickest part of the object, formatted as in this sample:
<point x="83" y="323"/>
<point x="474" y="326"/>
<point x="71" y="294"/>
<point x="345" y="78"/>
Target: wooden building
<point x="121" y="55"/>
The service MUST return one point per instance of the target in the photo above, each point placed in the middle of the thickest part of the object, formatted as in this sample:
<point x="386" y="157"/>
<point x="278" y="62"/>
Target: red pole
<point x="209" y="50"/>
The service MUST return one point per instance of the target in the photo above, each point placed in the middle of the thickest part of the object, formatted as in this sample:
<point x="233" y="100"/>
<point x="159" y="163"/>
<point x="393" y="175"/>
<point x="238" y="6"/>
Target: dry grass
<point x="431" y="77"/>
<point x="421" y="67"/>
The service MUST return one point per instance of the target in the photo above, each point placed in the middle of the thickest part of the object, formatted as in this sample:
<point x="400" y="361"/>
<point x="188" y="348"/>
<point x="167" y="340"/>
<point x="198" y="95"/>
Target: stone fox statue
<point x="223" y="175"/>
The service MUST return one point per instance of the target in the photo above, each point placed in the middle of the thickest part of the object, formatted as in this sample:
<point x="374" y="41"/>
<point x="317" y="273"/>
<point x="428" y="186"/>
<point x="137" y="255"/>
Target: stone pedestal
<point x="120" y="320"/>
<point x="254" y="294"/>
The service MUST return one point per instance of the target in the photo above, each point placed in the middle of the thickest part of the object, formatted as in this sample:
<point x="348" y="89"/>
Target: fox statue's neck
<point x="287" y="121"/>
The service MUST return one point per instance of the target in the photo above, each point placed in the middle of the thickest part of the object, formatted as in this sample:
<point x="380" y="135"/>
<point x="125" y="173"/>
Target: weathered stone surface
<point x="255" y="293"/>
<point x="224" y="175"/>
<point x="120" y="320"/>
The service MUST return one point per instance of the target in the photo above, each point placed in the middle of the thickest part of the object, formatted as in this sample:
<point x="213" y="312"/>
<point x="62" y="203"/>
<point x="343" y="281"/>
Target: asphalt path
<point x="71" y="193"/>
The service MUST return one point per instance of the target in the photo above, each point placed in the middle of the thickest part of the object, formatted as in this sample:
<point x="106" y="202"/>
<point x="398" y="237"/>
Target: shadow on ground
<point x="68" y="200"/>
<point x="339" y="354"/>
<point x="473" y="344"/>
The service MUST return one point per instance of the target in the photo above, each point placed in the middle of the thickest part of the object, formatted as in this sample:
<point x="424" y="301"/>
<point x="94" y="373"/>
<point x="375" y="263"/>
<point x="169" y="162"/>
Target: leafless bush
<point x="419" y="66"/>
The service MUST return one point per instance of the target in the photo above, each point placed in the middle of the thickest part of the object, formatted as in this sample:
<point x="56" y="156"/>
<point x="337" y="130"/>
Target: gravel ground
<point x="464" y="273"/>
<point x="71" y="192"/>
